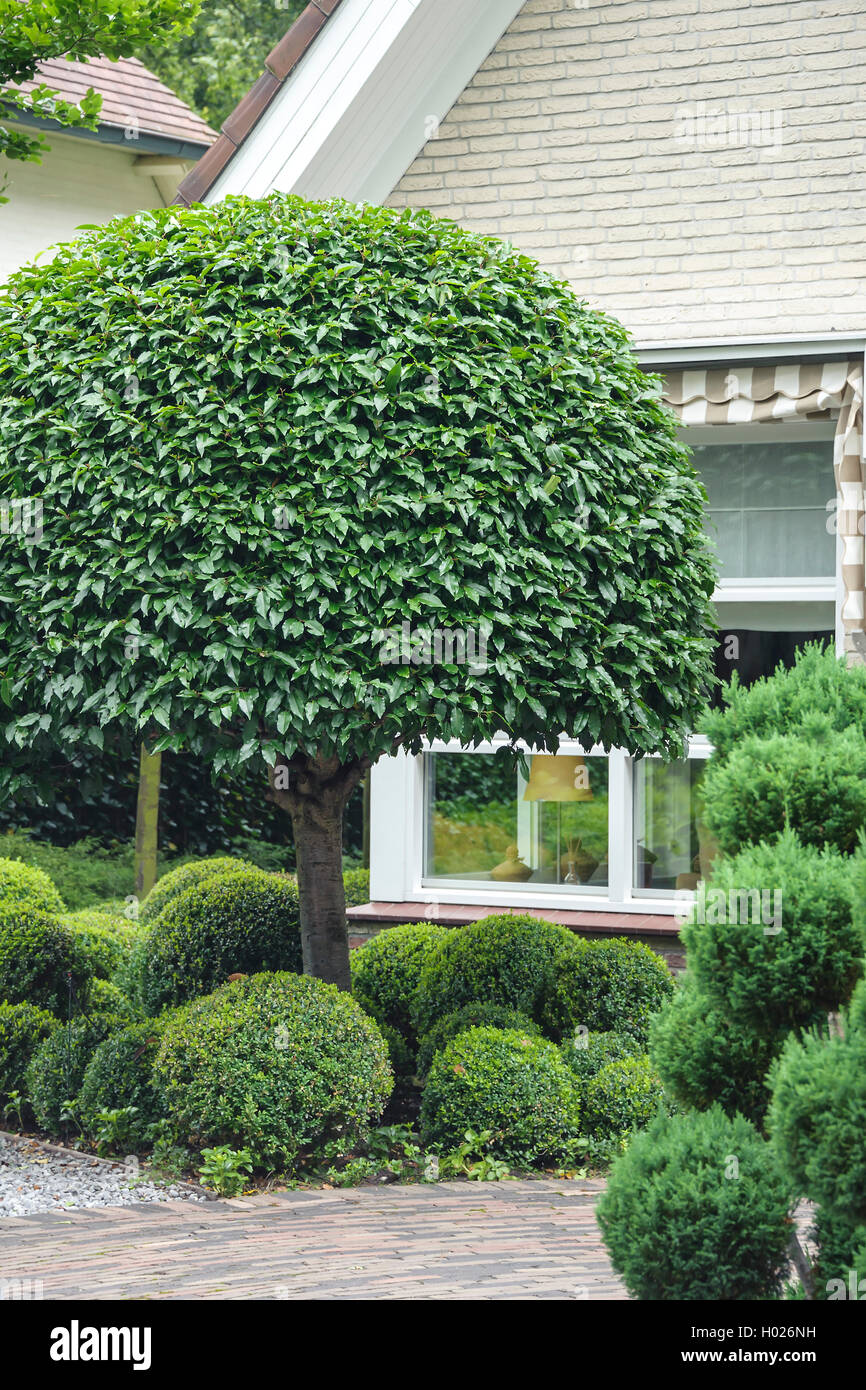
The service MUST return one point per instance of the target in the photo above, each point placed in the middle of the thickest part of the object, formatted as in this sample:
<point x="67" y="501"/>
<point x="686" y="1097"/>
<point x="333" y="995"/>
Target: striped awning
<point x="790" y="391"/>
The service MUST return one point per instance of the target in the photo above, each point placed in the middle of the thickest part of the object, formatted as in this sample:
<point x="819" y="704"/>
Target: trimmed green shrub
<point x="245" y="921"/>
<point x="387" y="968"/>
<point x="697" y="1209"/>
<point x="775" y="977"/>
<point x="702" y="1056"/>
<point x="838" y="1239"/>
<point x="23" y="886"/>
<point x="470" y="1016"/>
<point x="36" y="954"/>
<point x="120" y="1074"/>
<point x="506" y="960"/>
<point x="276" y="1063"/>
<point x="82" y="872"/>
<point x="621" y="1097"/>
<point x="820" y="683"/>
<point x="608" y="986"/>
<point x="857" y="1009"/>
<point x="814" y="786"/>
<point x="506" y="1081"/>
<point x="170" y="886"/>
<point x="105" y="997"/>
<point x="356" y="885"/>
<point x="400" y="1054"/>
<point x="105" y="941"/>
<point x="23" y="1028"/>
<point x="817" y="1121"/>
<point x="586" y="1054"/>
<point x="56" y="1069"/>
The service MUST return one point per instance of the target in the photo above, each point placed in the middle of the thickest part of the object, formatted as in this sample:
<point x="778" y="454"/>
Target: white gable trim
<point x="351" y="118"/>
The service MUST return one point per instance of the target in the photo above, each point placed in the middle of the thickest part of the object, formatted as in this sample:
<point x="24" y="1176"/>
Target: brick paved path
<point x="452" y="1241"/>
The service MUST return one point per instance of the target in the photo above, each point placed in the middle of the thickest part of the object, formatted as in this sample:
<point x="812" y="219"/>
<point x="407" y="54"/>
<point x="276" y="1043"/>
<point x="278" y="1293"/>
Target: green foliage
<point x="105" y="941"/>
<point x="400" y="1054"/>
<point x="260" y="497"/>
<point x="36" y="956"/>
<point x="80" y="29"/>
<point x="472" y="1159"/>
<point x="470" y="1016"/>
<point x="838" y="1239"/>
<point x="119" y="1075"/>
<point x="587" y="1053"/>
<point x="226" y="1170"/>
<point x="814" y="784"/>
<point x="505" y="960"/>
<point x="240" y="922"/>
<point x="607" y="986"/>
<point x="170" y="886"/>
<point x="21" y="885"/>
<point x="214" y="65"/>
<point x="386" y="971"/>
<point x="56" y="1069"/>
<point x="622" y="1097"/>
<point x="274" y="1063"/>
<point x="772" y="977"/>
<point x="105" y="997"/>
<point x="819" y="684"/>
<point x="703" y="1056"/>
<point x="680" y="1226"/>
<point x="857" y="1009"/>
<point x="23" y="1028"/>
<point x="356" y="885"/>
<point x="84" y="873"/>
<point x="509" y="1083"/>
<point x="817" y="1121"/>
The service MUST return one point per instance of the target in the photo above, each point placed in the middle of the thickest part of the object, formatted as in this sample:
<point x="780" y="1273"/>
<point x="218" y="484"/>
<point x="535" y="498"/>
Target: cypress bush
<point x="772" y="977"/>
<point x="698" y="1209"/>
<point x="820" y="684"/>
<point x="814" y="786"/>
<point x="506" y="960"/>
<point x="245" y="922"/>
<point x="703" y="1056"/>
<point x="276" y="1063"/>
<point x="505" y="1081"/>
<point x="606" y="986"/>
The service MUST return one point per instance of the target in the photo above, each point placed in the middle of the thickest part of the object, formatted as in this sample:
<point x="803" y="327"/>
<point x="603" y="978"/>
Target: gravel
<point x="35" y="1178"/>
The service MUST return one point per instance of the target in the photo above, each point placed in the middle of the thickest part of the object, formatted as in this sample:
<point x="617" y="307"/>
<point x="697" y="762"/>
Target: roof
<point x="279" y="63"/>
<point x="347" y="98"/>
<point x="131" y="97"/>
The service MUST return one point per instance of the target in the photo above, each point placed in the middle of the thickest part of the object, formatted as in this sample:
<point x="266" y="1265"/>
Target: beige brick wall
<point x="695" y="167"/>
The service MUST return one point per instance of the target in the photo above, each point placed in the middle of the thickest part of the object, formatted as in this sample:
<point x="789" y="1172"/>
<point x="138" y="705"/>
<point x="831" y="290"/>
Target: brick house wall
<point x="694" y="167"/>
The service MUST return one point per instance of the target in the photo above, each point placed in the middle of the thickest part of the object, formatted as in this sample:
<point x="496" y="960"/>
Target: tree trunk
<point x="314" y="790"/>
<point x="147" y="822"/>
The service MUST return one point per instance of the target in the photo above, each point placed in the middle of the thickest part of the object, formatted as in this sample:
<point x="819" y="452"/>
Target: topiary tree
<point x="265" y="435"/>
<point x="235" y="923"/>
<point x="386" y="971"/>
<point x="698" y="1208"/>
<point x="176" y="881"/>
<point x="120" y="1074"/>
<point x="39" y="958"/>
<point x="23" y="885"/>
<point x="613" y="985"/>
<point x="470" y="1016"/>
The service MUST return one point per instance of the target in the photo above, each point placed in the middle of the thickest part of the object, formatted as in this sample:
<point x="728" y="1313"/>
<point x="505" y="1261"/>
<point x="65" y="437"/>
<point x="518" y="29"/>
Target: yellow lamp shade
<point x="558" y="777"/>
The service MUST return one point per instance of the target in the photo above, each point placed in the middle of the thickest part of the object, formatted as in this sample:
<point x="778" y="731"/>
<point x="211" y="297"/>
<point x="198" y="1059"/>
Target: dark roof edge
<point x="145" y="142"/>
<point x="280" y="62"/>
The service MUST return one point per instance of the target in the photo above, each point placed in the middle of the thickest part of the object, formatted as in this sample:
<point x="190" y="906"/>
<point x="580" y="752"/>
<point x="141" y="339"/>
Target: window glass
<point x="768" y="507"/>
<point x="491" y="820"/>
<point x="673" y="849"/>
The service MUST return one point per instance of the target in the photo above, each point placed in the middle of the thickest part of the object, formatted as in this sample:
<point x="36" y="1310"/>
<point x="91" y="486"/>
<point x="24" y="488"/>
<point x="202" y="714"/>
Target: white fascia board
<point x="724" y="350"/>
<point x="350" y="119"/>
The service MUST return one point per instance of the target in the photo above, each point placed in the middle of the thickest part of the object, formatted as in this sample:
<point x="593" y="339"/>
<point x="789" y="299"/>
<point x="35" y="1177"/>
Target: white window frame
<point x="397" y="783"/>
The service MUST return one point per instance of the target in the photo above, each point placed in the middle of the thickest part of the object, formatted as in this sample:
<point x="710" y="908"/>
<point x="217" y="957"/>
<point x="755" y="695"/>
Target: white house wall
<point x="580" y="139"/>
<point x="78" y="181"/>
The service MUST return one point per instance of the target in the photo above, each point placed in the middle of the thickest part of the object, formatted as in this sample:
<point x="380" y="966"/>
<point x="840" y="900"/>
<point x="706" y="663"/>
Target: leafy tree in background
<point x="216" y="63"/>
<point x="267" y="434"/>
<point x="33" y="32"/>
